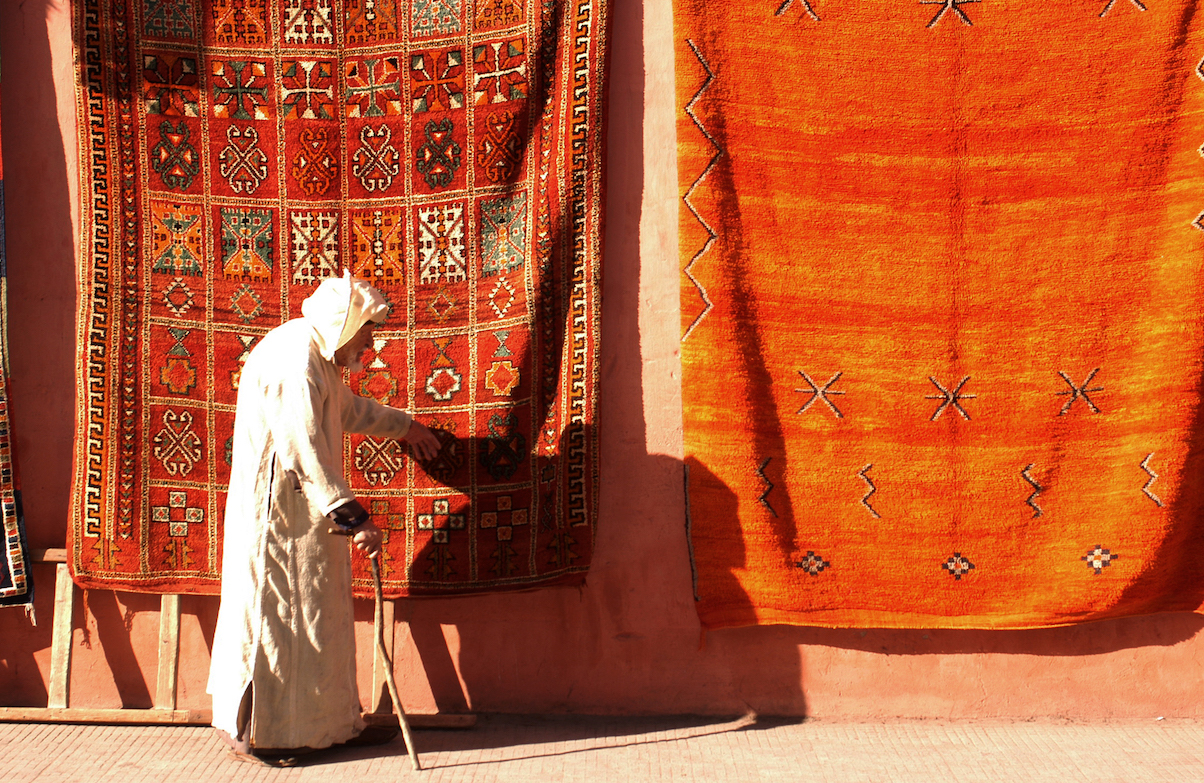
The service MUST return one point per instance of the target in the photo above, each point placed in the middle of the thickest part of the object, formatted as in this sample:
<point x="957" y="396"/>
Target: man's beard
<point x="356" y="365"/>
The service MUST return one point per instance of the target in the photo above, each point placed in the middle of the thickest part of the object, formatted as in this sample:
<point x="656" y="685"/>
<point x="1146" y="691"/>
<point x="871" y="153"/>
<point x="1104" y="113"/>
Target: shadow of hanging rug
<point x="941" y="310"/>
<point x="235" y="154"/>
<point x="16" y="576"/>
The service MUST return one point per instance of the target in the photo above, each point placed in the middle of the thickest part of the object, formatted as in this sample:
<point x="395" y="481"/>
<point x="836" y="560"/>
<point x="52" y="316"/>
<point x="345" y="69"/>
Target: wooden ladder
<point x="165" y="711"/>
<point x="57" y="709"/>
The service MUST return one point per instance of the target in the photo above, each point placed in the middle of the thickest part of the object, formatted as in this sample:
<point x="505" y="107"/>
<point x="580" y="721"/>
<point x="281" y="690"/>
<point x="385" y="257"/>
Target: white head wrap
<point x="339" y="307"/>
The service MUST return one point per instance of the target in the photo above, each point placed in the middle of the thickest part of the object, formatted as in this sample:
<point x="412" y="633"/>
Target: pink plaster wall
<point x="627" y="642"/>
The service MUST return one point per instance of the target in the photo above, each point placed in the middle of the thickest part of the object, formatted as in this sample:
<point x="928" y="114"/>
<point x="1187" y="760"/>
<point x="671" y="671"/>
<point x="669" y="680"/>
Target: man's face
<point x="352" y="352"/>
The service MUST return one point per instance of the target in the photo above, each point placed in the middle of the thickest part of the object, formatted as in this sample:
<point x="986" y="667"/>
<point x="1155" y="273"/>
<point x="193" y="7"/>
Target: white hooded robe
<point x="285" y="626"/>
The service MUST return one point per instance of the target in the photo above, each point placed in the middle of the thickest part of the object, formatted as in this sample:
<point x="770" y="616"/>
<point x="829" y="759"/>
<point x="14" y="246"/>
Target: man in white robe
<point x="282" y="675"/>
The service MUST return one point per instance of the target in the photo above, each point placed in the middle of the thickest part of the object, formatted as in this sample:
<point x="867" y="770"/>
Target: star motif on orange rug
<point x="806" y="7"/>
<point x="1111" y="3"/>
<point x="820" y="393"/>
<point x="1099" y="558"/>
<point x="957" y="566"/>
<point x="947" y="6"/>
<point x="813" y="564"/>
<point x="950" y="398"/>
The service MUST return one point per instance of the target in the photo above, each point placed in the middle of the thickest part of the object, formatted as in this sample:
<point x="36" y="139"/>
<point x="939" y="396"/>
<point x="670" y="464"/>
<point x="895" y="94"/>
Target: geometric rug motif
<point x="234" y="155"/>
<point x="942" y="330"/>
<point x="16" y="578"/>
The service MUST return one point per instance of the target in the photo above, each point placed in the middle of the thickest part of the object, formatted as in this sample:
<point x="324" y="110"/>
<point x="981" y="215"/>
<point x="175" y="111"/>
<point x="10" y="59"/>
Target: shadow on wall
<point x="1185" y="531"/>
<point x="41" y="270"/>
<point x="627" y="642"/>
<point x="764" y="662"/>
<point x="40" y="319"/>
<point x="21" y="681"/>
<point x="1094" y="638"/>
<point x="482" y="652"/>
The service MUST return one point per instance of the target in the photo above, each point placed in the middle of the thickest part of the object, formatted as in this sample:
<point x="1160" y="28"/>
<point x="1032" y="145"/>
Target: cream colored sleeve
<point x="368" y="417"/>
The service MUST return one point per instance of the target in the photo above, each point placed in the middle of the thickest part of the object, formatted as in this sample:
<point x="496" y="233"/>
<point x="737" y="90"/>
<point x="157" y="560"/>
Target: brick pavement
<point x="572" y="749"/>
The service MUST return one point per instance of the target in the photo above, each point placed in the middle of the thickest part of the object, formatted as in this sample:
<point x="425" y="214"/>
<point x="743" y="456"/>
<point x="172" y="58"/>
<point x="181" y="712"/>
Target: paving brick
<point x="503" y="748"/>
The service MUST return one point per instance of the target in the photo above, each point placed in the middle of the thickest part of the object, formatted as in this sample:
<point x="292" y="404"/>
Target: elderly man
<point x="283" y="668"/>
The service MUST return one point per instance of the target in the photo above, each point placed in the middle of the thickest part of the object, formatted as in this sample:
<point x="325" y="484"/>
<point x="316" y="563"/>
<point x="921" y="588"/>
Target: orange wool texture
<point x="941" y="310"/>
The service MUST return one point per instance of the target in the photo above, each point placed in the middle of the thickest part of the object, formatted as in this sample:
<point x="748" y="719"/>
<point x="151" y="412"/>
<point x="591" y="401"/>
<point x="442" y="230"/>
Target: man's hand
<point x="422" y="440"/>
<point x="367" y="539"/>
<point x="351" y="519"/>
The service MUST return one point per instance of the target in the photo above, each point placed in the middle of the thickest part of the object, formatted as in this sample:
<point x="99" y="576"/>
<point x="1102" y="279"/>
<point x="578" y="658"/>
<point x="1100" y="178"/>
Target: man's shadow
<point x="605" y="632"/>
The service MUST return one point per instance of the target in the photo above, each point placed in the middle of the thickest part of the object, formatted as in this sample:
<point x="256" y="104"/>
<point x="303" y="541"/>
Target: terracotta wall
<point x="629" y="641"/>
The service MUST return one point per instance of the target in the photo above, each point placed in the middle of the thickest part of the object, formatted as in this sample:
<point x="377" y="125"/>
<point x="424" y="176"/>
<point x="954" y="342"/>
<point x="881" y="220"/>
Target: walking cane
<point x="380" y="646"/>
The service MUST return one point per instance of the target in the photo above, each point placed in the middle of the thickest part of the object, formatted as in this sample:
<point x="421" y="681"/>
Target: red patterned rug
<point x="235" y="153"/>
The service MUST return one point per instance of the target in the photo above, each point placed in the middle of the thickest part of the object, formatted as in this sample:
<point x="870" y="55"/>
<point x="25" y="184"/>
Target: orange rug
<point x="941" y="310"/>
